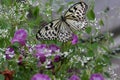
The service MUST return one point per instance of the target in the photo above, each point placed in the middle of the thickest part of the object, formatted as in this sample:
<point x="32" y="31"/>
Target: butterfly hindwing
<point x="64" y="33"/>
<point x="49" y="32"/>
<point x="76" y="25"/>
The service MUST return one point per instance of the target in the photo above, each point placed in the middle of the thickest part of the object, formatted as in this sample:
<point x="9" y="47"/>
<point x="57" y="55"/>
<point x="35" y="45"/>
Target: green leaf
<point x="36" y="11"/>
<point x="1" y="77"/>
<point x="7" y="2"/>
<point x="90" y="54"/>
<point x="4" y="24"/>
<point x="16" y="44"/>
<point x="88" y="29"/>
<point x="101" y="23"/>
<point x="106" y="59"/>
<point x="107" y="74"/>
<point x="60" y="9"/>
<point x="98" y="68"/>
<point x="85" y="76"/>
<point x="91" y="14"/>
<point x="70" y="3"/>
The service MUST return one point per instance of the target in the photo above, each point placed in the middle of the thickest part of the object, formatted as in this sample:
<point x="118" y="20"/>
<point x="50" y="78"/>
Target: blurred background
<point x="112" y="24"/>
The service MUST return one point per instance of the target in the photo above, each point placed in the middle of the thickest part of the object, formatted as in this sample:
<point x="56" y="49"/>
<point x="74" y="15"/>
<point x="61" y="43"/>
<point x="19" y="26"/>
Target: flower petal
<point x="39" y="76"/>
<point x="74" y="39"/>
<point x="96" y="76"/>
<point x="74" y="77"/>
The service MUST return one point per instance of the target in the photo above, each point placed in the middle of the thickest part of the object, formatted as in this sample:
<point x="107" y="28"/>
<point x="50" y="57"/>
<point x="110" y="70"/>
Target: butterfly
<point x="63" y="28"/>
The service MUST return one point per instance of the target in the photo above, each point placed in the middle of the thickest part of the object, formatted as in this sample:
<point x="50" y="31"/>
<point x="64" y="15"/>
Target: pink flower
<point x="74" y="39"/>
<point x="39" y="76"/>
<point x="96" y="76"/>
<point x="20" y="36"/>
<point x="74" y="77"/>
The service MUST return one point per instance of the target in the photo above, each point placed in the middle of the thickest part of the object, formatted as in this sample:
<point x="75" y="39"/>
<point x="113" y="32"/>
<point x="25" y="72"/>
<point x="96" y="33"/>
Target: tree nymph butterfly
<point x="63" y="28"/>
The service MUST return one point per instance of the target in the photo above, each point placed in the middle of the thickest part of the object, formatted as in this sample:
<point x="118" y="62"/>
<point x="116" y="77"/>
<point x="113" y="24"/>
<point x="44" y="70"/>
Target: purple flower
<point x="41" y="46"/>
<point x="42" y="49"/>
<point x="39" y="76"/>
<point x="9" y="53"/>
<point x="42" y="58"/>
<point x="74" y="77"/>
<point x="74" y="39"/>
<point x="20" y="37"/>
<point x="42" y="52"/>
<point x="57" y="58"/>
<point x="96" y="77"/>
<point x="53" y="48"/>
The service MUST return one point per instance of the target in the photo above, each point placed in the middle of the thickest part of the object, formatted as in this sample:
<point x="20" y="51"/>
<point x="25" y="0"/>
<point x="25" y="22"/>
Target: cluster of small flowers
<point x="43" y="53"/>
<point x="112" y="73"/>
<point x="96" y="26"/>
<point x="40" y="51"/>
<point x="10" y="12"/>
<point x="20" y="37"/>
<point x="83" y="60"/>
<point x="4" y="33"/>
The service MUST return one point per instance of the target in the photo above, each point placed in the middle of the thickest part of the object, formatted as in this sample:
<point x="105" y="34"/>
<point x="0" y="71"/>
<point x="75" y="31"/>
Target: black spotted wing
<point x="49" y="32"/>
<point x="64" y="33"/>
<point x="61" y="29"/>
<point x="75" y="16"/>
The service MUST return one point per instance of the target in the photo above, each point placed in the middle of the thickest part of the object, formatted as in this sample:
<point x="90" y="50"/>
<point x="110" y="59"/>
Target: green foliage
<point x="101" y="22"/>
<point x="1" y="77"/>
<point x="7" y="2"/>
<point x="91" y="14"/>
<point x="88" y="29"/>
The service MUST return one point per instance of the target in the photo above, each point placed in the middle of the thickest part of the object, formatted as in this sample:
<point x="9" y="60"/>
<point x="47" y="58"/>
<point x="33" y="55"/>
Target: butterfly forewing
<point x="77" y="11"/>
<point x="75" y="16"/>
<point x="49" y="32"/>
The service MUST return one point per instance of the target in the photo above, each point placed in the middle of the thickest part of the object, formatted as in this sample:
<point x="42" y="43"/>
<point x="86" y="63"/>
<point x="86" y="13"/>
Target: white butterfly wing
<point x="76" y="25"/>
<point x="75" y="16"/>
<point x="64" y="33"/>
<point x="49" y="32"/>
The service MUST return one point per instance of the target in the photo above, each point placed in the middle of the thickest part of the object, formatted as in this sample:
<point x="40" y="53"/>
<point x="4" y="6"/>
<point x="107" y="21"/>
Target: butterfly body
<point x="63" y="19"/>
<point x="62" y="29"/>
